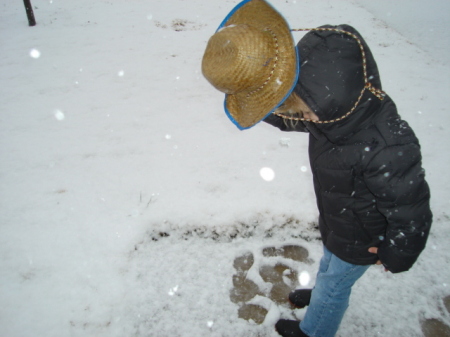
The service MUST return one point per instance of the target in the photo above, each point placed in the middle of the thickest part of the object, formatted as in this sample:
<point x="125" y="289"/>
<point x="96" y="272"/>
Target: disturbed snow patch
<point x="191" y="277"/>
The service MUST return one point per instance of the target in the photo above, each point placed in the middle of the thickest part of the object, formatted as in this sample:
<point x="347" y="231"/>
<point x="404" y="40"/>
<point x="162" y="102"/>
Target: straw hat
<point x="253" y="60"/>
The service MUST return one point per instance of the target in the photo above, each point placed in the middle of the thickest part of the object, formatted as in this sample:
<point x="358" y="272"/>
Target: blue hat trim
<point x="231" y="13"/>
<point x="297" y="73"/>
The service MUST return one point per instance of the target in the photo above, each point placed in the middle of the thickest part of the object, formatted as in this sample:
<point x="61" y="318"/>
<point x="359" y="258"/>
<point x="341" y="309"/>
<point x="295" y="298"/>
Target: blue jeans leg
<point x="330" y="296"/>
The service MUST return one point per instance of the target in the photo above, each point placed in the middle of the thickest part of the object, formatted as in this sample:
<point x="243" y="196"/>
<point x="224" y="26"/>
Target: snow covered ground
<point x="126" y="194"/>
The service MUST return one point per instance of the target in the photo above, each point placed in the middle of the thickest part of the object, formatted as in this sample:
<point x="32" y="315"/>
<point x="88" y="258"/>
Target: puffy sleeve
<point x="397" y="180"/>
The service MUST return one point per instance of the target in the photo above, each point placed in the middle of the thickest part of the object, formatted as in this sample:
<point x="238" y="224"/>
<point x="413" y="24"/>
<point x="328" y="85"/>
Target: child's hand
<point x="374" y="250"/>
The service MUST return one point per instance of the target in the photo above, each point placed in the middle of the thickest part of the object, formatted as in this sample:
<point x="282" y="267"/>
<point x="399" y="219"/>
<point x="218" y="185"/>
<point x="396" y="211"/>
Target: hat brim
<point x="246" y="110"/>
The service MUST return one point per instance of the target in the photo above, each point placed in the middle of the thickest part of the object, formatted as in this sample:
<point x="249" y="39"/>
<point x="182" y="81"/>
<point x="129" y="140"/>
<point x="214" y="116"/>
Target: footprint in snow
<point x="436" y="328"/>
<point x="278" y="278"/>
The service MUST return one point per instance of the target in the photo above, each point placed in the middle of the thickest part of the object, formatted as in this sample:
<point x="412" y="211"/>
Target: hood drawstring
<point x="368" y="86"/>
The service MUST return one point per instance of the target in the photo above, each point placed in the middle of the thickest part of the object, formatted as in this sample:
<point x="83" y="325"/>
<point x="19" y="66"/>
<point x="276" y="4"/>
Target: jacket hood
<point x="332" y="79"/>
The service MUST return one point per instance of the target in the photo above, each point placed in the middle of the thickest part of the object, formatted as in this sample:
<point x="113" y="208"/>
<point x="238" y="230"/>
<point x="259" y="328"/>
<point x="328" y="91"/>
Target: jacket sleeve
<point x="397" y="180"/>
<point x="285" y="124"/>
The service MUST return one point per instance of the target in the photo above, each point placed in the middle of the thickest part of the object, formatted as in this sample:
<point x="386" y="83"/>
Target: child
<point x="371" y="193"/>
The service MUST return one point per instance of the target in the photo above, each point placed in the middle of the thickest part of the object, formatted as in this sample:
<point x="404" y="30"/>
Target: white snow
<point x="126" y="193"/>
<point x="267" y="174"/>
<point x="34" y="53"/>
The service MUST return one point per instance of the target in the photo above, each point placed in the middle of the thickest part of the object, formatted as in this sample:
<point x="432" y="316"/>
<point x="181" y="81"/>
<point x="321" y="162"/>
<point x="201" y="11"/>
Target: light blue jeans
<point x="330" y="296"/>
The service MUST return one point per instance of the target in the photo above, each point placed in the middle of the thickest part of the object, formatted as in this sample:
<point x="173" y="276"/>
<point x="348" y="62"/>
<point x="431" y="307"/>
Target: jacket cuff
<point x="395" y="260"/>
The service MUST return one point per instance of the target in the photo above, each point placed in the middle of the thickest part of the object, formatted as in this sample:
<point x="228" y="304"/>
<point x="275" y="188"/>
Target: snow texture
<point x="126" y="193"/>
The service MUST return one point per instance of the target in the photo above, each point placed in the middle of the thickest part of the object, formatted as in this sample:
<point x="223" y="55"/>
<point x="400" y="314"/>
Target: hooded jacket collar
<point x="331" y="81"/>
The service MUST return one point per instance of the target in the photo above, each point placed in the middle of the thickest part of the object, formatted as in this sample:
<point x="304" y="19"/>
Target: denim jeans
<point x="330" y="296"/>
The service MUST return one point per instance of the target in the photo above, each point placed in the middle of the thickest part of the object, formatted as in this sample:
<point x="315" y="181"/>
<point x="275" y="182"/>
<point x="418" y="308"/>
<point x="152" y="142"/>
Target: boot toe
<point x="288" y="328"/>
<point x="300" y="298"/>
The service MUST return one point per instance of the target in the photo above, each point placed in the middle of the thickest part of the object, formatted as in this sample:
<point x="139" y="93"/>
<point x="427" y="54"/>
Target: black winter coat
<point x="368" y="179"/>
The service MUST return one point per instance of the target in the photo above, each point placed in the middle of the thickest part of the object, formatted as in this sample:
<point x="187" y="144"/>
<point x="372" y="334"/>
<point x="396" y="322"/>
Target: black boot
<point x="287" y="328"/>
<point x="300" y="298"/>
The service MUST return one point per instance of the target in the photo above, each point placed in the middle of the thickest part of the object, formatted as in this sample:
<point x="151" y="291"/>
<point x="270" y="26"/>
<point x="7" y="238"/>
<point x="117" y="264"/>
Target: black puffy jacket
<point x="368" y="179"/>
